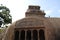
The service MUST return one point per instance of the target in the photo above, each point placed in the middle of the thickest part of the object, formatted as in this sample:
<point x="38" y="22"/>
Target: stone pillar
<point x="31" y="34"/>
<point x="38" y="34"/>
<point x="19" y="34"/>
<point x="25" y="34"/>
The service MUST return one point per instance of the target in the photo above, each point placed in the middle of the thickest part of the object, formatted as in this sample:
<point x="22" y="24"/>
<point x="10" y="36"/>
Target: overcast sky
<point x="19" y="7"/>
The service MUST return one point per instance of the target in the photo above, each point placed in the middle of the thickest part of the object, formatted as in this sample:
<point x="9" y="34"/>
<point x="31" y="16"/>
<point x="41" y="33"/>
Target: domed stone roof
<point x="29" y="22"/>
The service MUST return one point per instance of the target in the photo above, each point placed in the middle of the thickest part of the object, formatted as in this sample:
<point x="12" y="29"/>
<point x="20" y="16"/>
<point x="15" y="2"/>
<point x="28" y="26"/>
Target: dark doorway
<point x="35" y="35"/>
<point x="22" y="37"/>
<point x="41" y="35"/>
<point x="16" y="35"/>
<point x="28" y="37"/>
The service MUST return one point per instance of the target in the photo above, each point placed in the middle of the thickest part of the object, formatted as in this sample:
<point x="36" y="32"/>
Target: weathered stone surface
<point x="29" y="22"/>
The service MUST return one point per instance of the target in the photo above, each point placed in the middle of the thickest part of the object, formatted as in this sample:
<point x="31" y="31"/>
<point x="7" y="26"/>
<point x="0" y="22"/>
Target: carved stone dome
<point x="29" y="22"/>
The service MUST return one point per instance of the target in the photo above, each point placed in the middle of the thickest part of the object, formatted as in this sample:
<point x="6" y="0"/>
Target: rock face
<point x="35" y="26"/>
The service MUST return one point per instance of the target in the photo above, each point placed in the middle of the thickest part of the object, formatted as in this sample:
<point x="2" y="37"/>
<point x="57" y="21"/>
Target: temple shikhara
<point x="35" y="26"/>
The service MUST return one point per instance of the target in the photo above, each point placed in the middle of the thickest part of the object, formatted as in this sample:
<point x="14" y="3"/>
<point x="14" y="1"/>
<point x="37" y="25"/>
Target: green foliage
<point x="5" y="14"/>
<point x="1" y="30"/>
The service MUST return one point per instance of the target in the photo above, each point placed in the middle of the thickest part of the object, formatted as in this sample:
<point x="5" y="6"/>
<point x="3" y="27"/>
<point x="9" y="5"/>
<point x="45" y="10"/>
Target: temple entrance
<point x="29" y="35"/>
<point x="16" y="35"/>
<point x="22" y="35"/>
<point x="35" y="35"/>
<point x="41" y="34"/>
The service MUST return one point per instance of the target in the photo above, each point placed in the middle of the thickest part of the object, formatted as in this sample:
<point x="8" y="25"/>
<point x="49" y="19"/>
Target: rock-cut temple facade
<point x="35" y="26"/>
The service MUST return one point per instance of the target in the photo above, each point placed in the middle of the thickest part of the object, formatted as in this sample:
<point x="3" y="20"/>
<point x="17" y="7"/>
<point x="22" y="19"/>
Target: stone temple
<point x="35" y="26"/>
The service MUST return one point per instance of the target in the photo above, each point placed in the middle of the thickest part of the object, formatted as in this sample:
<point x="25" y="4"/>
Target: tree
<point x="1" y="21"/>
<point x="4" y="14"/>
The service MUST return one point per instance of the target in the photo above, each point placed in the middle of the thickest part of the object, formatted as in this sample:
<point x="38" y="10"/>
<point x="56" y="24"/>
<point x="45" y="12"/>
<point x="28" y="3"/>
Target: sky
<point x="19" y="7"/>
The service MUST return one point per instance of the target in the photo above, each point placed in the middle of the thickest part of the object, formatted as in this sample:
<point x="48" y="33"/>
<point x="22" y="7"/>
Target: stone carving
<point x="29" y="23"/>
